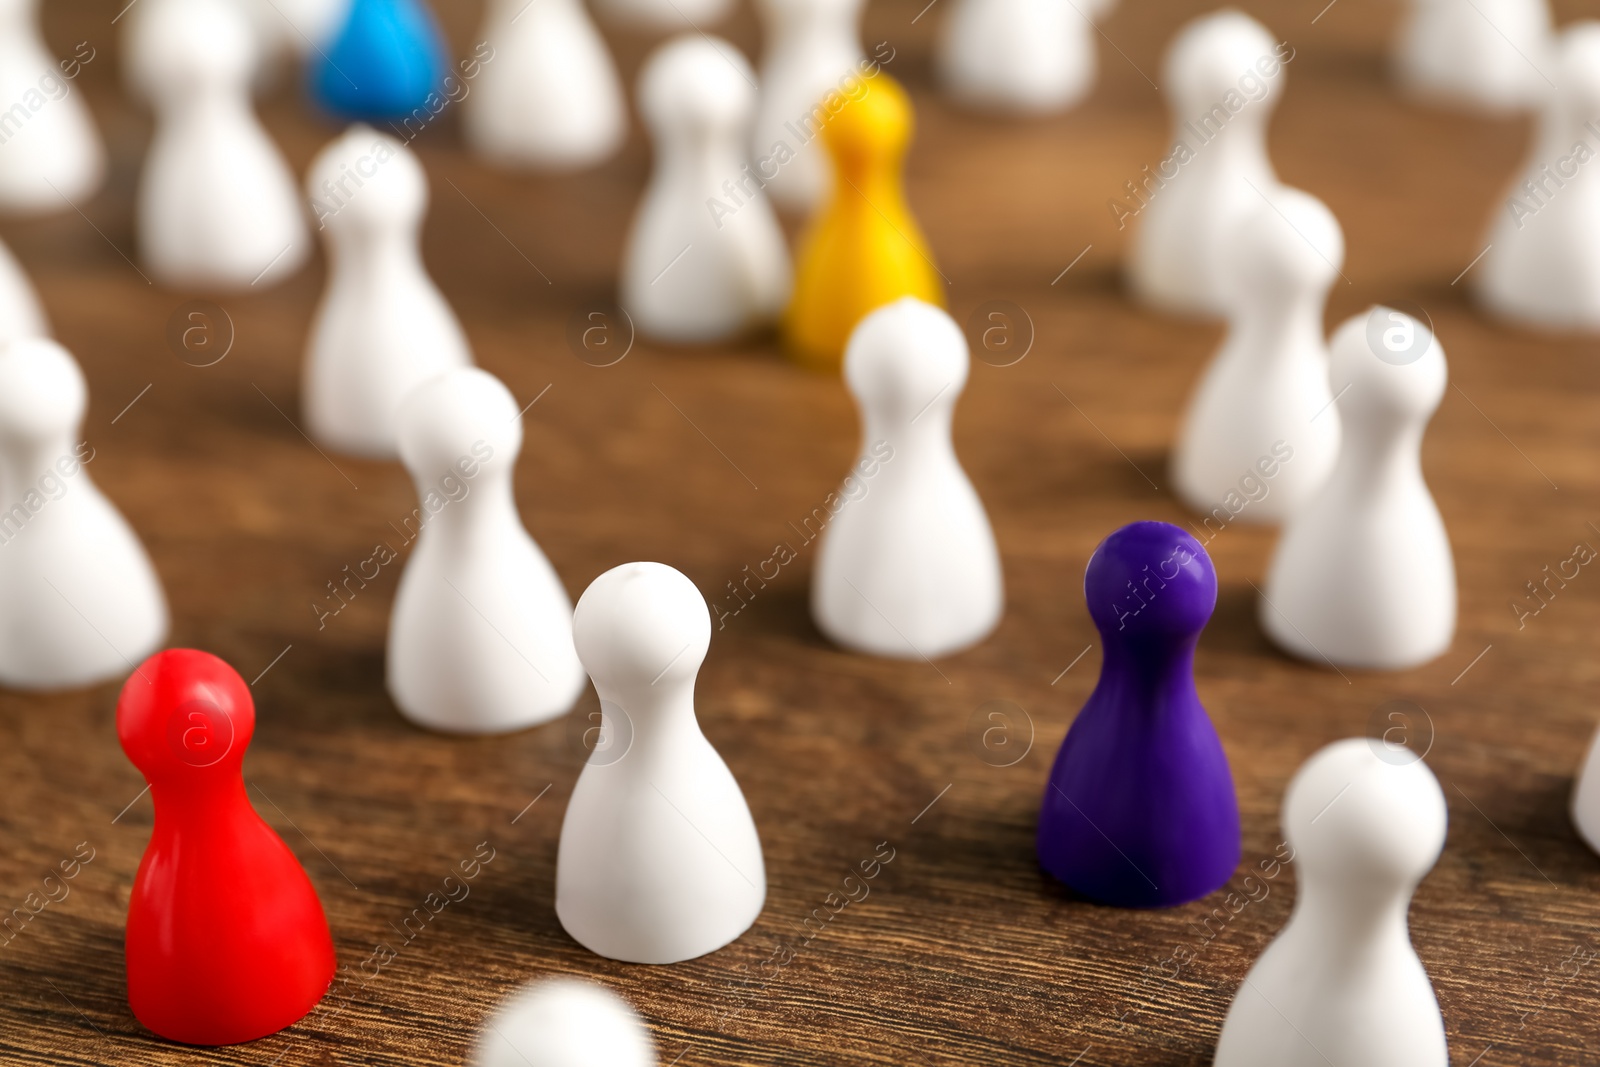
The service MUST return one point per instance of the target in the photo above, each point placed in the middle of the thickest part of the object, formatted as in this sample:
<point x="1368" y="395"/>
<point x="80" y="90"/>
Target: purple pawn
<point x="1140" y="811"/>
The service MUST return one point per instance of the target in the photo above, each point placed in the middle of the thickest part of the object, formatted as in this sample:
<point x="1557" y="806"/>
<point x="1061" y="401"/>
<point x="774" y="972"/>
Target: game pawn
<point x="1341" y="985"/>
<point x="659" y="859"/>
<point x="1140" y="809"/>
<point x="226" y="939"/>
<point x="863" y="249"/>
<point x="564" y="1022"/>
<point x="385" y="62"/>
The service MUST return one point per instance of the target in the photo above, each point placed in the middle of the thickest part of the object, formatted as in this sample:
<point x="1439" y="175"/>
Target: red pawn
<point x="227" y="941"/>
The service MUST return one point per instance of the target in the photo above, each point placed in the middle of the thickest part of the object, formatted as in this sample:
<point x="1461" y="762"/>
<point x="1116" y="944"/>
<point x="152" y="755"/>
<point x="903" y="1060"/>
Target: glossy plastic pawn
<point x="226" y="939"/>
<point x="1341" y="985"/>
<point x="81" y="598"/>
<point x="659" y="858"/>
<point x="704" y="261"/>
<point x="564" y="1022"/>
<point x="863" y="249"/>
<point x="1364" y="575"/>
<point x="385" y="61"/>
<point x="382" y="327"/>
<point x="480" y="639"/>
<point x="217" y="206"/>
<point x="908" y="565"/>
<point x="1140" y="809"/>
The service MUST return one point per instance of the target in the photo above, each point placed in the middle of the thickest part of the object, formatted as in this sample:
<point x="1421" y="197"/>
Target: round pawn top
<point x="185" y="714"/>
<point x="367" y="180"/>
<point x="1291" y="244"/>
<point x="696" y="85"/>
<point x="1392" y="364"/>
<point x="452" y="417"/>
<point x="42" y="391"/>
<point x="1216" y="54"/>
<point x="873" y="127"/>
<point x="640" y="625"/>
<point x="1357" y="817"/>
<point x="904" y="357"/>
<point x="1150" y="580"/>
<point x="183" y="47"/>
<point x="562" y="1022"/>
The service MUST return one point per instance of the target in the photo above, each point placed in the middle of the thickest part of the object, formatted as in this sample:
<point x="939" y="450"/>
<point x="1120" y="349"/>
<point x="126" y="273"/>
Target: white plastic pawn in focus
<point x="908" y="566"/>
<point x="1341" y="985"/>
<point x="480" y="639"/>
<point x="1364" y="575"/>
<point x="659" y="858"/>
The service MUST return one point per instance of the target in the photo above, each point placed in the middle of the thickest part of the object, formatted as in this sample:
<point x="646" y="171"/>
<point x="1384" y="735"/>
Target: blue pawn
<point x="383" y="63"/>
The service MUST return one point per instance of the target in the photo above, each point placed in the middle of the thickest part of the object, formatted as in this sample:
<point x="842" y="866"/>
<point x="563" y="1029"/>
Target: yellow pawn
<point x="863" y="249"/>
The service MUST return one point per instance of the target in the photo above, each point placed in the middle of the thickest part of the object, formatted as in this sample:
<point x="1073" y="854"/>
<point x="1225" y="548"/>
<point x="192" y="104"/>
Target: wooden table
<point x="964" y="952"/>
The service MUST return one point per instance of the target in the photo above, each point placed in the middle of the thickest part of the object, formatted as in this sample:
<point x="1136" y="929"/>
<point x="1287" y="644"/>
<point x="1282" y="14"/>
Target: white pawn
<point x="21" y="313"/>
<point x="1341" y="985"/>
<point x="655" y="16"/>
<point x="908" y="566"/>
<point x="551" y="98"/>
<point x="302" y="26"/>
<point x="563" y="1022"/>
<point x="50" y="151"/>
<point x="480" y="637"/>
<point x="1363" y="575"/>
<point x="383" y="327"/>
<point x="1018" y="56"/>
<point x="80" y="602"/>
<point x="1195" y="206"/>
<point x="1586" y="796"/>
<point x="217" y="206"/>
<point x="705" y="261"/>
<point x="1263" y="411"/>
<point x="1485" y="55"/>
<point x="1543" y="263"/>
<point x="813" y="48"/>
<point x="659" y="859"/>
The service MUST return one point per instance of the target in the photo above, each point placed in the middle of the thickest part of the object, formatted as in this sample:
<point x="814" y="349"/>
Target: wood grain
<point x="963" y="953"/>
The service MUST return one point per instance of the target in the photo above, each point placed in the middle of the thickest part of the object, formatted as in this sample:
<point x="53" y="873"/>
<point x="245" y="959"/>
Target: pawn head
<point x="1357" y="819"/>
<point x="1392" y="365"/>
<point x="457" y="421"/>
<point x="870" y="125"/>
<point x="180" y="48"/>
<point x="905" y="360"/>
<point x="185" y="715"/>
<point x="695" y="86"/>
<point x="563" y="1022"/>
<point x="1150" y="581"/>
<point x="1214" y="55"/>
<point x="641" y="626"/>
<point x="366" y="181"/>
<point x="1289" y="245"/>
<point x="42" y="392"/>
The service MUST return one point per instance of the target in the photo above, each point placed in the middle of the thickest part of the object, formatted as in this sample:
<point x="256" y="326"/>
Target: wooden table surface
<point x="964" y="952"/>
